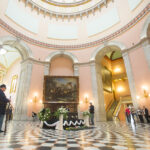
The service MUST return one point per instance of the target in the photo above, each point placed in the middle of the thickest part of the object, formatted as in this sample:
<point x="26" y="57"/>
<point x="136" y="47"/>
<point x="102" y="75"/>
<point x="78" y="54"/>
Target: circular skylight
<point x="67" y="3"/>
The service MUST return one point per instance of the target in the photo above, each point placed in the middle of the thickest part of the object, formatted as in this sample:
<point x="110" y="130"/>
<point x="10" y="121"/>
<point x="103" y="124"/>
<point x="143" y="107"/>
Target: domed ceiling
<point x="67" y="7"/>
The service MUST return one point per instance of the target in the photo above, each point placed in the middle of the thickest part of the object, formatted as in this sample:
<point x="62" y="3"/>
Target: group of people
<point x="3" y="105"/>
<point x="139" y="114"/>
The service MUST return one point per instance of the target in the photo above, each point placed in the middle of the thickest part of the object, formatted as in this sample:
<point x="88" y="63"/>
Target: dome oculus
<point x="66" y="3"/>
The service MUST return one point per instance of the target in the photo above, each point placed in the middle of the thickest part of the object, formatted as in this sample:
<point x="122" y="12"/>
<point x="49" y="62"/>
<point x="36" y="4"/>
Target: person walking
<point x="3" y="104"/>
<point x="91" y="110"/>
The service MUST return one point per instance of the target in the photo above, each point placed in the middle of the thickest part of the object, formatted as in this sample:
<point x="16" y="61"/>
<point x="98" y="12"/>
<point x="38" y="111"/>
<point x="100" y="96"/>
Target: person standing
<point x="140" y="114"/>
<point x="128" y="113"/>
<point x="91" y="110"/>
<point x="3" y="104"/>
<point x="146" y="114"/>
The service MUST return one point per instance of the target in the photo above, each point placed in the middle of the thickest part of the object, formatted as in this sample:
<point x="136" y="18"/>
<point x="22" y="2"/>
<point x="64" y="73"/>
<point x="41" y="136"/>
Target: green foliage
<point x="77" y="128"/>
<point x="60" y="111"/>
<point x="44" y="114"/>
<point x="86" y="113"/>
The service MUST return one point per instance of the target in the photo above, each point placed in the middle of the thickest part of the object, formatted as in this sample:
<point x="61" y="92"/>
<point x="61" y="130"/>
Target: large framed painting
<point x="106" y="79"/>
<point x="59" y="89"/>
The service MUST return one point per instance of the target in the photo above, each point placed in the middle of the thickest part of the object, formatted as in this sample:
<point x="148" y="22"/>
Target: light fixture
<point x="81" y="102"/>
<point x="120" y="89"/>
<point x="35" y="99"/>
<point x="145" y="91"/>
<point x="86" y="96"/>
<point x="35" y="94"/>
<point x="41" y="101"/>
<point x="116" y="70"/>
<point x="144" y="87"/>
<point x="145" y="94"/>
<point x="30" y="100"/>
<point x="2" y="51"/>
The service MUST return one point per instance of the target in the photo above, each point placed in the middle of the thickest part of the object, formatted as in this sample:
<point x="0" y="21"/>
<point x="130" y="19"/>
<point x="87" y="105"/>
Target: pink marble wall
<point x="61" y="66"/>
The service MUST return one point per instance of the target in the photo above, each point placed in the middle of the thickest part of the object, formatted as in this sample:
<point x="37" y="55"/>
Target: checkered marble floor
<point x="105" y="136"/>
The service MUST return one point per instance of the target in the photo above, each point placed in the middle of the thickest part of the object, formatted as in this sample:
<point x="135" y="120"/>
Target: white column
<point x="23" y="91"/>
<point x="76" y="70"/>
<point x="76" y="73"/>
<point x="97" y="87"/>
<point x="47" y="69"/>
<point x="146" y="47"/>
<point x="130" y="78"/>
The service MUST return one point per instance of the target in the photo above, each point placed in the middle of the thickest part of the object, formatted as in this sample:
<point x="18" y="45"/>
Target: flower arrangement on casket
<point x="44" y="114"/>
<point x="62" y="111"/>
<point x="86" y="113"/>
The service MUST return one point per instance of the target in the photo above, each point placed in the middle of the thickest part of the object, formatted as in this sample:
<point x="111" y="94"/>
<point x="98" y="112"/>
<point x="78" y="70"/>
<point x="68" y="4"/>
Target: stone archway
<point x="25" y="75"/>
<point x="62" y="53"/>
<point x="145" y="36"/>
<point x="97" y="78"/>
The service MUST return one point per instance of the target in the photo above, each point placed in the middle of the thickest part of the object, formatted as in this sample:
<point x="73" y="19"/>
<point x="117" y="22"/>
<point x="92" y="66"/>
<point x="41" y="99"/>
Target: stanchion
<point x="7" y="117"/>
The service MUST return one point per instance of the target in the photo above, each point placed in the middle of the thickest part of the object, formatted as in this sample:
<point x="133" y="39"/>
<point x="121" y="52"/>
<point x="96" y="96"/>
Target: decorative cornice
<point x="142" y="43"/>
<point x="39" y="9"/>
<point x="79" y="46"/>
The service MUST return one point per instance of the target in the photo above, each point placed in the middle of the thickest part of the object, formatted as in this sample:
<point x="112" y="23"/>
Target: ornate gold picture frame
<point x="13" y="84"/>
<point x="61" y="89"/>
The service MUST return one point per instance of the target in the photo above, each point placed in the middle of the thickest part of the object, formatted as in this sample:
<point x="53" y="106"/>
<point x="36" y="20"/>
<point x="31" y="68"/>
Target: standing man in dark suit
<point x="91" y="110"/>
<point x="3" y="103"/>
<point x="146" y="114"/>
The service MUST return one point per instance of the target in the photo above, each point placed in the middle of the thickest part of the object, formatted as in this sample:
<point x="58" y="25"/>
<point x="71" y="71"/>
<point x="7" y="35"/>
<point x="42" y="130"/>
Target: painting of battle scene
<point x="61" y="89"/>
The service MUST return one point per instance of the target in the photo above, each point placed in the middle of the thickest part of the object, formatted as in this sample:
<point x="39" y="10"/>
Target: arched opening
<point x="61" y="66"/>
<point x="10" y="67"/>
<point x="15" y="72"/>
<point x="114" y="85"/>
<point x="62" y="75"/>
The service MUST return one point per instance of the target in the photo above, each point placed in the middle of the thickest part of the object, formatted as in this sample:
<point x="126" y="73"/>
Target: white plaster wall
<point x="62" y="31"/>
<point x="21" y="17"/>
<point x="133" y="3"/>
<point x="103" y="22"/>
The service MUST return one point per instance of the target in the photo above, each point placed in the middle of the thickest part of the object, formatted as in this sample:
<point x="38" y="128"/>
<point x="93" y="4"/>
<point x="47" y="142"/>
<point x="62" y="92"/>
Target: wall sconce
<point x="145" y="91"/>
<point x="41" y="101"/>
<point x="137" y="97"/>
<point x="146" y="94"/>
<point x="81" y="102"/>
<point x="30" y="101"/>
<point x="35" y="99"/>
<point x="86" y="98"/>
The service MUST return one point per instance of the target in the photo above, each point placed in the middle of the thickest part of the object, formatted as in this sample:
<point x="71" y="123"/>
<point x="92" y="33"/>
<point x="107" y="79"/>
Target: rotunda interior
<point x="88" y="57"/>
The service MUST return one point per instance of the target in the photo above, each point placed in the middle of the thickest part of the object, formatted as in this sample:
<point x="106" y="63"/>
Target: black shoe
<point x="1" y="131"/>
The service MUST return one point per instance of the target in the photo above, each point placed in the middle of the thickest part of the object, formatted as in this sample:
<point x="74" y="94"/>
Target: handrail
<point x="110" y="104"/>
<point x="115" y="114"/>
